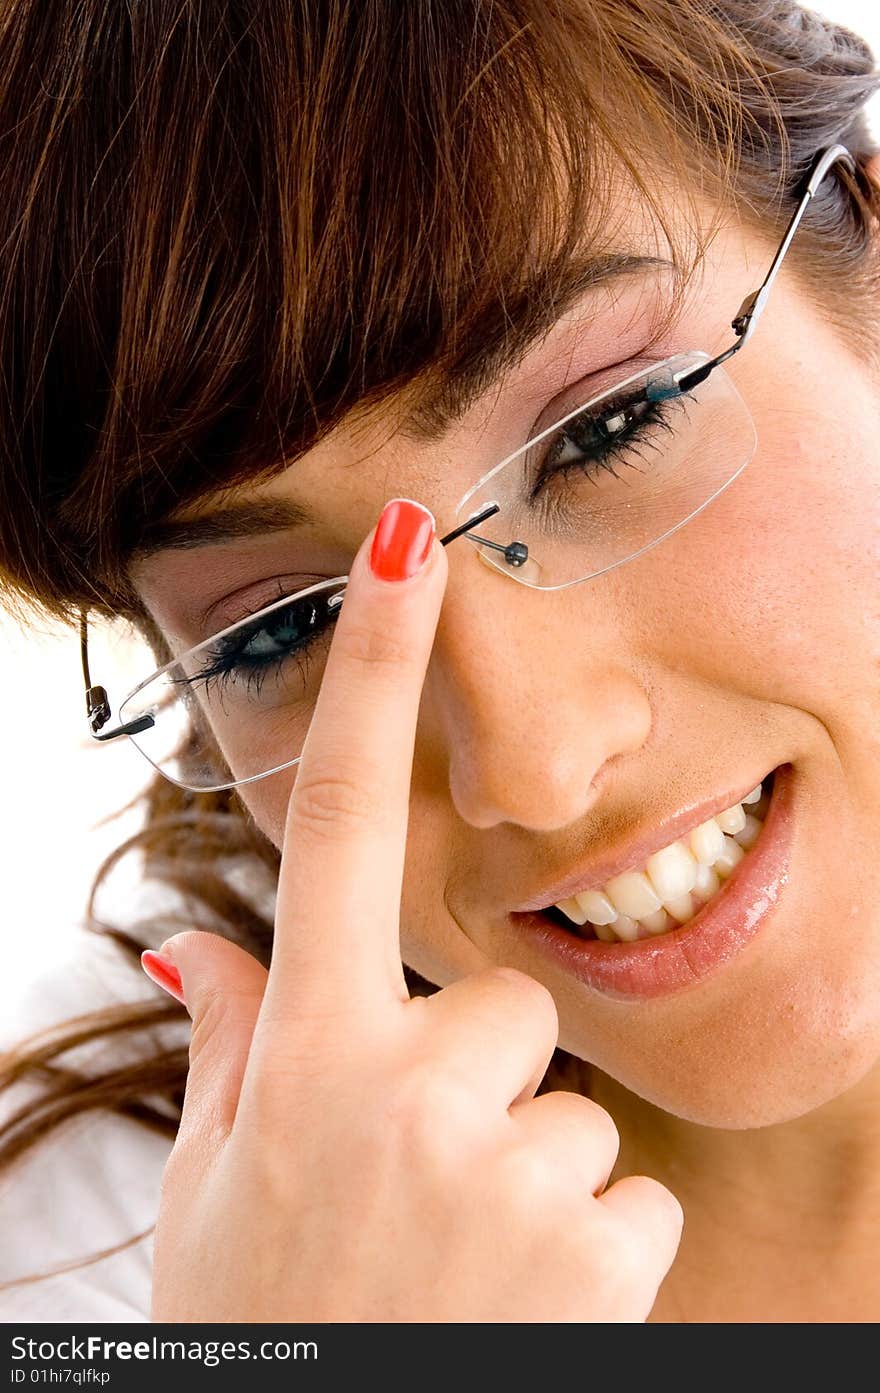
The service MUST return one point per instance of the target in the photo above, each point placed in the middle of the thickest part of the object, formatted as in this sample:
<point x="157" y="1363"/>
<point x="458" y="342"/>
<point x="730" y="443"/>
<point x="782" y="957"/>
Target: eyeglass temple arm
<point x="746" y="320"/>
<point x="97" y="701"/>
<point x="743" y="325"/>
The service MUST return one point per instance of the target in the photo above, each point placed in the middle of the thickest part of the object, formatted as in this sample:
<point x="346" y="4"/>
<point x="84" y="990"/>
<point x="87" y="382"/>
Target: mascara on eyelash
<point x="225" y="661"/>
<point x="614" y="447"/>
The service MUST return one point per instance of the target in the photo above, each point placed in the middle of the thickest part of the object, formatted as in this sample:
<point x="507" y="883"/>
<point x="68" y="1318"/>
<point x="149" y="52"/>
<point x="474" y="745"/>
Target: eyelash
<point x="223" y="663"/>
<point x="226" y="661"/>
<point x="617" y="449"/>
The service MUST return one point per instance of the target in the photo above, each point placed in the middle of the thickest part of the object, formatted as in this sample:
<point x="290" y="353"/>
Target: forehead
<point x="309" y="518"/>
<point x="612" y="308"/>
<point x="646" y="302"/>
<point x="536" y="312"/>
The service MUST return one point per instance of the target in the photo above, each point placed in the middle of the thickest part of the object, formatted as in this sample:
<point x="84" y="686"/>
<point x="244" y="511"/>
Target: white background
<point x="57" y="787"/>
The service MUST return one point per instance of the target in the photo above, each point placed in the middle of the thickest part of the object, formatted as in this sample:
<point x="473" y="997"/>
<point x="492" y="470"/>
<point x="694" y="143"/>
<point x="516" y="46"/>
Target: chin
<point x="780" y="1057"/>
<point x="765" y="1006"/>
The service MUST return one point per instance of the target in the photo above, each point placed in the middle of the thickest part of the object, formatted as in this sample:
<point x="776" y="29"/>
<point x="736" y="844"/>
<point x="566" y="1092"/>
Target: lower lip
<point x="722" y="929"/>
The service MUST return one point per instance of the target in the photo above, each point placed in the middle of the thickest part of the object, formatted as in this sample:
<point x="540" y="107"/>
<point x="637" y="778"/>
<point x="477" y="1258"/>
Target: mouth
<point x="663" y="924"/>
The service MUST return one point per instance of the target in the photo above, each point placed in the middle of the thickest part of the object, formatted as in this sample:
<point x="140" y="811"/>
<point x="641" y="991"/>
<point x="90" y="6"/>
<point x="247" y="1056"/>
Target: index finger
<point x="337" y="938"/>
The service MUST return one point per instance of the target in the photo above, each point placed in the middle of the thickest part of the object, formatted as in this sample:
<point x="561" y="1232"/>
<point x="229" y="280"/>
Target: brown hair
<point x="227" y="227"/>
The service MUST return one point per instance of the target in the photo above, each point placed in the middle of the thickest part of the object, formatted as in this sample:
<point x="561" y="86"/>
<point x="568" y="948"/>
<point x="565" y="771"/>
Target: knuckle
<point x="329" y="798"/>
<point x="599" y="1122"/>
<point x="376" y="648"/>
<point x="527" y="1178"/>
<point x="532" y="997"/>
<point x="665" y="1212"/>
<point x="282" y="1073"/>
<point x="618" y="1262"/>
<point x="639" y="1237"/>
<point x="628" y="1258"/>
<point x="609" y="1248"/>
<point x="431" y="1109"/>
<point x="209" y="1021"/>
<point x="585" y="1122"/>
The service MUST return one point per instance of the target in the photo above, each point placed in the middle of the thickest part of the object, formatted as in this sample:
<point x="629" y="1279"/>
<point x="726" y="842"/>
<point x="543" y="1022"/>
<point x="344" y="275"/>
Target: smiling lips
<point x="645" y="962"/>
<point x="675" y="881"/>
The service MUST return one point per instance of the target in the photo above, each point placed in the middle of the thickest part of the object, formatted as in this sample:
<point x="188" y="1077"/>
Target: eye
<point x="625" y="431"/>
<point x="268" y="643"/>
<point x="282" y="631"/>
<point x="590" y="435"/>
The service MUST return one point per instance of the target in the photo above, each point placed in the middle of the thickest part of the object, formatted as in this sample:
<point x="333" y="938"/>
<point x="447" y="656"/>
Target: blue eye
<point x="282" y="632"/>
<point x="259" y="648"/>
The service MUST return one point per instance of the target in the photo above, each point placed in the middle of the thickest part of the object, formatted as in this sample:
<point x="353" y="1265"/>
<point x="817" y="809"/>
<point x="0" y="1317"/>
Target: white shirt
<point x="95" y="1181"/>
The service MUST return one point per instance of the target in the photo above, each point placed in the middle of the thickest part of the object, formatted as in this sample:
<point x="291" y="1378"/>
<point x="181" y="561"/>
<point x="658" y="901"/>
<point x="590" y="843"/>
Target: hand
<point x="346" y="1153"/>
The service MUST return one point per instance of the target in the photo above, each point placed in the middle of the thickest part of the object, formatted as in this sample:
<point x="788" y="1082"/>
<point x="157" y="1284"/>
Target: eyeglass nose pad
<point x="529" y="574"/>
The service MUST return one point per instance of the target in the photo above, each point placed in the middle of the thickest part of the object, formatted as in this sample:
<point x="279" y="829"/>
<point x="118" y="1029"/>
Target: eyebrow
<point x="229" y="524"/>
<point x="546" y="302"/>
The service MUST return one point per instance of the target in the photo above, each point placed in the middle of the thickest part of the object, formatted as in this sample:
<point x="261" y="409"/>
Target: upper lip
<point x="594" y="873"/>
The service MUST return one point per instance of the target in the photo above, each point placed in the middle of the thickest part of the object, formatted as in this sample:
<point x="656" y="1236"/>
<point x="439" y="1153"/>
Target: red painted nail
<point x="162" y="972"/>
<point x="402" y="543"/>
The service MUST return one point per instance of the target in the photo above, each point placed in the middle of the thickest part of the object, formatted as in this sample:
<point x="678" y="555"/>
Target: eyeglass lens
<point x="621" y="473"/>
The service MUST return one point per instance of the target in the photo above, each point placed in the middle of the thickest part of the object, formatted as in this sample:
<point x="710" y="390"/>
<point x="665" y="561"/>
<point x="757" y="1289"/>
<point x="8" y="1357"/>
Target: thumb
<point x="222" y="987"/>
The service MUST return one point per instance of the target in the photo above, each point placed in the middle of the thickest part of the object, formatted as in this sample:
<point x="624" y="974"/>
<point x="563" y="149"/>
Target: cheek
<point x="783" y="1032"/>
<point x="778" y="579"/>
<point x="799" y="1030"/>
<point x="266" y="803"/>
<point x="430" y="941"/>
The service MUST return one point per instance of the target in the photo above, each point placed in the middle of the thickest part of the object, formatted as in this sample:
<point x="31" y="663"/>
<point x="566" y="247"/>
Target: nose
<point x="532" y="696"/>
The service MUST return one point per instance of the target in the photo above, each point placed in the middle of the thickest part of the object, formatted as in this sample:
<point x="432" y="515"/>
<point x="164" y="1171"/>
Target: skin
<point x="750" y="639"/>
<point x="340" y="1157"/>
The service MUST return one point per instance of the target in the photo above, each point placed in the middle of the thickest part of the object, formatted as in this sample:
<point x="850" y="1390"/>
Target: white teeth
<point x="675" y="882"/>
<point x="572" y="909"/>
<point x="596" y="907"/>
<point x="729" y="858"/>
<point x="749" y="834"/>
<point x="706" y="884"/>
<point x="606" y="933"/>
<point x="707" y="841"/>
<point x="632" y="894"/>
<point x="682" y="909"/>
<point x="626" y="928"/>
<point x="672" y="871"/>
<point x="732" y="819"/>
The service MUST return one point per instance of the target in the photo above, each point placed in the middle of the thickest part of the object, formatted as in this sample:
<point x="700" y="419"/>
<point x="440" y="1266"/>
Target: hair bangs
<point x="265" y="220"/>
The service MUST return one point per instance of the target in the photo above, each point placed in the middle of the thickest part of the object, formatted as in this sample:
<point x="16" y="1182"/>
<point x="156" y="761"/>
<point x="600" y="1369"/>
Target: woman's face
<point x="565" y="736"/>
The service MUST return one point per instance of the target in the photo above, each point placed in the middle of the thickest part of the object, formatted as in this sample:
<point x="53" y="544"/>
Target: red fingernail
<point x="403" y="539"/>
<point x="163" y="973"/>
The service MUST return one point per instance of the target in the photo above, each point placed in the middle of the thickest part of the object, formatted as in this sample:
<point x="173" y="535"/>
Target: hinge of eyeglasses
<point x="98" y="703"/>
<point x="752" y="306"/>
<point x="97" y="708"/>
<point x="746" y="313"/>
<point x="99" y="713"/>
